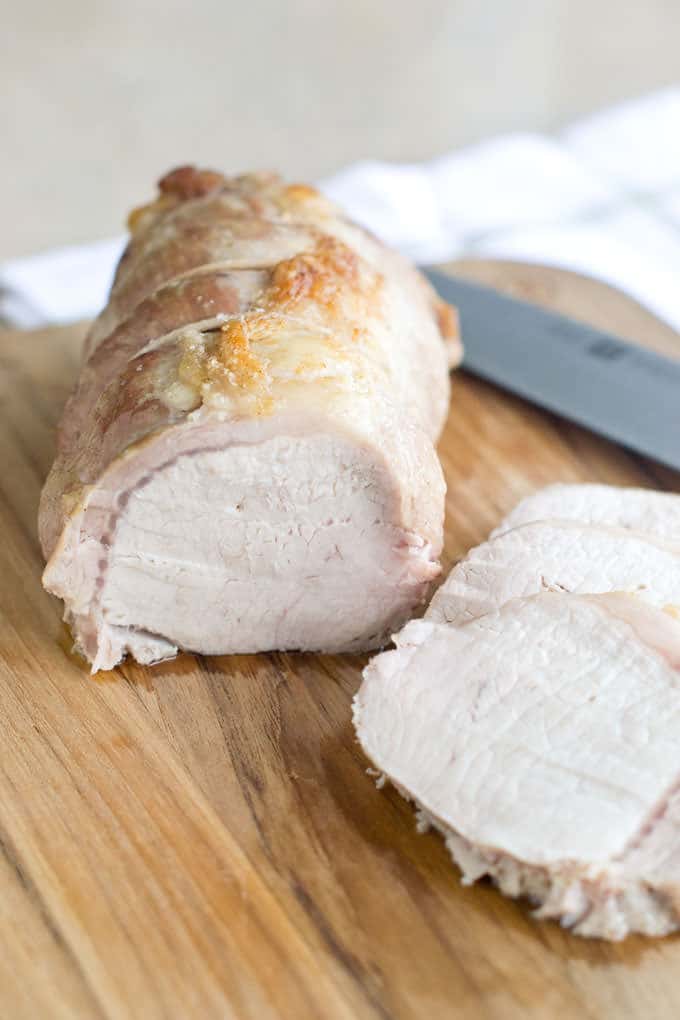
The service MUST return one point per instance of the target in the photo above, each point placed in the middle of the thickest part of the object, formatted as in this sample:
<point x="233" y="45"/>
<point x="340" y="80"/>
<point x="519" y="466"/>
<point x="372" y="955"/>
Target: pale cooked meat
<point x="543" y="741"/>
<point x="645" y="510"/>
<point x="561" y="555"/>
<point x="247" y="461"/>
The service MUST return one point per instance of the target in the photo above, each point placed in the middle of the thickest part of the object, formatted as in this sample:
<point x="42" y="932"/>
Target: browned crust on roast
<point x="321" y="275"/>
<point x="330" y="282"/>
<point x="318" y="274"/>
<point x="189" y="182"/>
<point x="227" y="361"/>
<point x="138" y="217"/>
<point x="174" y="305"/>
<point x="447" y="320"/>
<point x="449" y="327"/>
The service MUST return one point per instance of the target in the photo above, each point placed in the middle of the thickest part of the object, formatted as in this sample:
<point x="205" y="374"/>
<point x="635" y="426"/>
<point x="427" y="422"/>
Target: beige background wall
<point x="100" y="96"/>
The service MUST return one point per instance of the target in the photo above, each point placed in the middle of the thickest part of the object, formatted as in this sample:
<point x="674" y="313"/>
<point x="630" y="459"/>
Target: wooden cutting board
<point x="201" y="839"/>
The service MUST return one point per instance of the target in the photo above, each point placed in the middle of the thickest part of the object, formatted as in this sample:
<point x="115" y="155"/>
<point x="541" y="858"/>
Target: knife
<point x="628" y="393"/>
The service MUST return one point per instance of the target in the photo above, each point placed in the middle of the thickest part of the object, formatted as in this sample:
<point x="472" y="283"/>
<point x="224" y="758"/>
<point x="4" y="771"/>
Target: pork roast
<point x="543" y="741"/>
<point x="247" y="461"/>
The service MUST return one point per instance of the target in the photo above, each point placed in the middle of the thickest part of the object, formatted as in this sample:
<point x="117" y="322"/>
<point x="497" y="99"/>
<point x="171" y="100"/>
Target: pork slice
<point x="643" y="510"/>
<point x="543" y="741"/>
<point x="561" y="555"/>
<point x="247" y="462"/>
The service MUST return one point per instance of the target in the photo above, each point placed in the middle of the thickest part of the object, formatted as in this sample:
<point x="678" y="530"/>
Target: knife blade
<point x="627" y="393"/>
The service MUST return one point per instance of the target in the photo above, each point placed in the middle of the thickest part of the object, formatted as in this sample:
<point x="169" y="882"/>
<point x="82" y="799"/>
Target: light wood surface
<point x="201" y="839"/>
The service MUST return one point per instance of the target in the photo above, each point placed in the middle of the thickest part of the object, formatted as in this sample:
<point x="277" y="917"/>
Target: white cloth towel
<point x="601" y="197"/>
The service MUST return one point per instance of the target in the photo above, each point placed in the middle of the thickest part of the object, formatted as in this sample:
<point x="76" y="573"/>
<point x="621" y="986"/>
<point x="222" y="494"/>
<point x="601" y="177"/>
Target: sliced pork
<point x="543" y="741"/>
<point x="645" y="510"/>
<point x="559" y="555"/>
<point x="247" y="461"/>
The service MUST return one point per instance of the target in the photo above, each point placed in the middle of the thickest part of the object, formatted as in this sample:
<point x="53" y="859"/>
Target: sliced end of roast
<point x="222" y="541"/>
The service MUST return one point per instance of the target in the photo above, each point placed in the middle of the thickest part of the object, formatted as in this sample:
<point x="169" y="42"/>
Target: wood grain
<point x="201" y="840"/>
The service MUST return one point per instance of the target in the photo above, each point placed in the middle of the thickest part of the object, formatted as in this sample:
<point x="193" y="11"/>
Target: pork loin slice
<point x="543" y="741"/>
<point x="645" y="510"/>
<point x="247" y="461"/>
<point x="561" y="555"/>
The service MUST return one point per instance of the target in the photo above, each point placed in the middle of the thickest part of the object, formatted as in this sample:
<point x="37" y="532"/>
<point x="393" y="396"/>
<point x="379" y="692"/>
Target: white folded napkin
<point x="602" y="197"/>
<point x="62" y="285"/>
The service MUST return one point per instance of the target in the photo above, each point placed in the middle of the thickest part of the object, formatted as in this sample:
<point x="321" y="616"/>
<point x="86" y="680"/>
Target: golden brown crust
<point x="179" y="185"/>
<point x="320" y="275"/>
<point x="449" y="328"/>
<point x="139" y="217"/>
<point x="233" y="351"/>
<point x="225" y="362"/>
<point x="188" y="182"/>
<point x="328" y="288"/>
<point x="248" y="208"/>
<point x="300" y="194"/>
<point x="447" y="320"/>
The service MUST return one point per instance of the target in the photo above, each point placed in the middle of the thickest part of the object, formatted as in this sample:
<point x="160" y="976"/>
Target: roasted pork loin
<point x="247" y="461"/>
